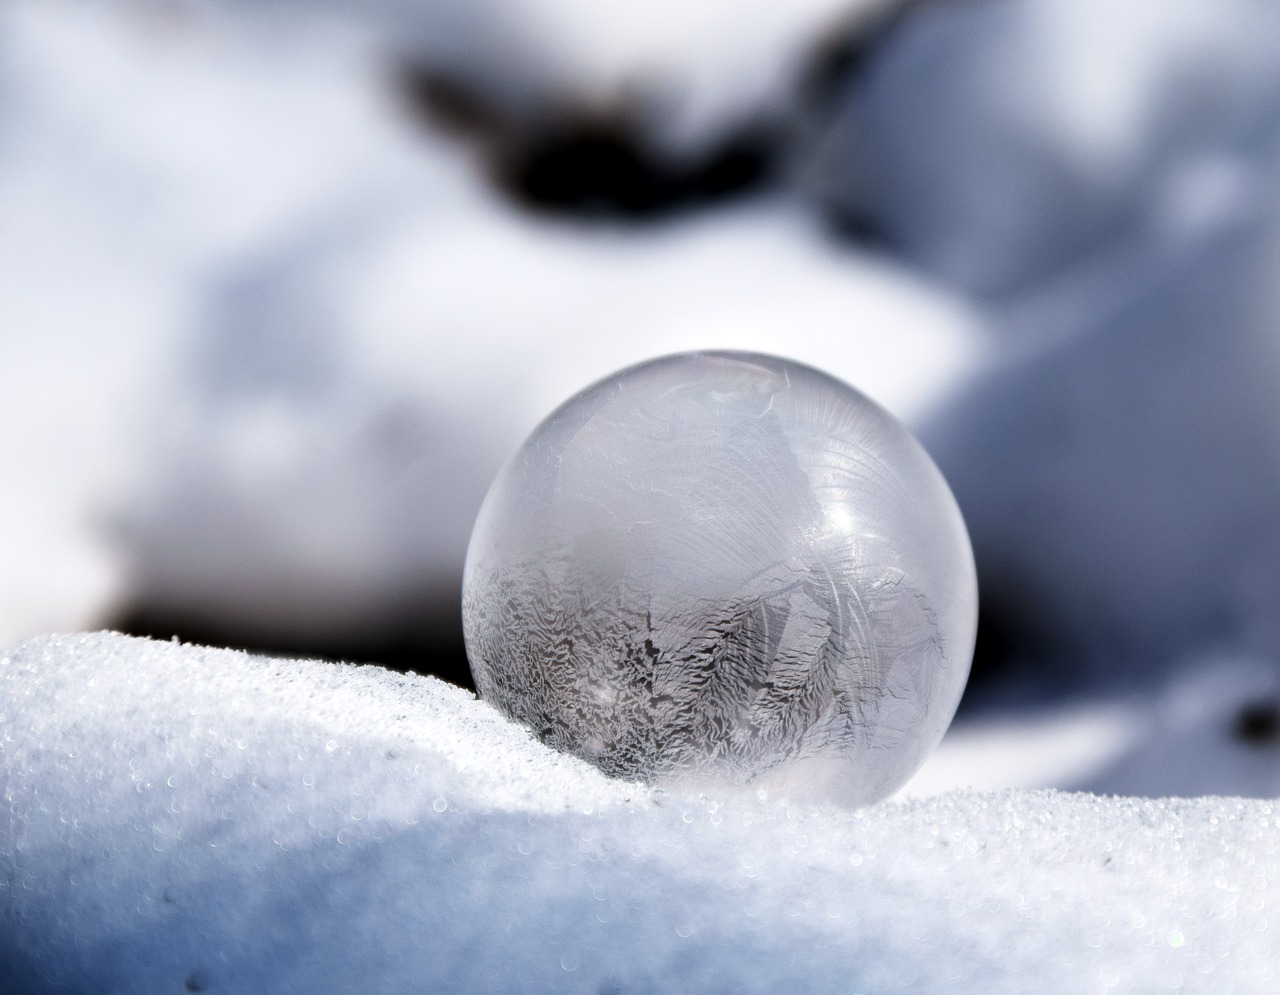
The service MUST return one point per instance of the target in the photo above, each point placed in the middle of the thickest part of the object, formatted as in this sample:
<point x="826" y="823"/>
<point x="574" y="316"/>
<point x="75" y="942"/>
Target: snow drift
<point x="183" y="817"/>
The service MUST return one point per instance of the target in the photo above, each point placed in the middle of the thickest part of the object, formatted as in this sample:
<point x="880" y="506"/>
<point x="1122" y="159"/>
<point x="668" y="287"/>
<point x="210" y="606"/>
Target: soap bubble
<point x="721" y="569"/>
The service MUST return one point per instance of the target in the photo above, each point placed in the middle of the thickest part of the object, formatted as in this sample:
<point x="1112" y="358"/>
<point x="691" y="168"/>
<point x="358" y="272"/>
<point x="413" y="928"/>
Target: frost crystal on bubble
<point x="725" y="568"/>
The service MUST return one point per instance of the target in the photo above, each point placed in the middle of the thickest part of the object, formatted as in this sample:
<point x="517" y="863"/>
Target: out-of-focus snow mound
<point x="1104" y="176"/>
<point x="325" y="330"/>
<point x="177" y="816"/>
<point x="1003" y="143"/>
<point x="1201" y="725"/>
<point x="1122" y="488"/>
<point x="682" y="77"/>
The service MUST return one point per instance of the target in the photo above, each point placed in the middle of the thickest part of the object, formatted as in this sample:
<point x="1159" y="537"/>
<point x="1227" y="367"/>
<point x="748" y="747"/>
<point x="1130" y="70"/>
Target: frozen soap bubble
<point x="725" y="569"/>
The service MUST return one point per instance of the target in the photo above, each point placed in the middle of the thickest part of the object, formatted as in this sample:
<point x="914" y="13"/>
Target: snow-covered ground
<point x="266" y="334"/>
<point x="177" y="817"/>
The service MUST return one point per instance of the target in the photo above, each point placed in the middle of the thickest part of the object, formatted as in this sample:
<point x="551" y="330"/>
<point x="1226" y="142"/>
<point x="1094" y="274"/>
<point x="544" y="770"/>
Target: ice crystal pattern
<point x="725" y="568"/>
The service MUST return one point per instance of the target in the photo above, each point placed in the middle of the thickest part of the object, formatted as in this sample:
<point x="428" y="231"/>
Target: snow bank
<point x="1001" y="143"/>
<point x="1104" y="176"/>
<point x="178" y="816"/>
<point x="683" y="76"/>
<point x="1205" y="724"/>
<point x="1121" y="486"/>
<point x="266" y="323"/>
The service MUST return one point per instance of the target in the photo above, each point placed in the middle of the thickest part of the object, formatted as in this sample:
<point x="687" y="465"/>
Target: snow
<point x="186" y="816"/>
<point x="688" y="74"/>
<point x="265" y="337"/>
<point x="316" y="333"/>
<point x="1120" y="471"/>
<point x="1176" y="733"/>
<point x="379" y="469"/>
<point x="1002" y="143"/>
<point x="1103" y="176"/>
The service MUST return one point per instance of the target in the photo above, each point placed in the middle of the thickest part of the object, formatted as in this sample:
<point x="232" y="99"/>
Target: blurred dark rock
<point x="1259" y="723"/>
<point x="593" y="162"/>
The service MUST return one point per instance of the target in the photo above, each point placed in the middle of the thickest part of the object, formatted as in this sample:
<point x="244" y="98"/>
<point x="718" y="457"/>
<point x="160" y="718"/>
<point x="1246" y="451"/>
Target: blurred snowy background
<point x="282" y="284"/>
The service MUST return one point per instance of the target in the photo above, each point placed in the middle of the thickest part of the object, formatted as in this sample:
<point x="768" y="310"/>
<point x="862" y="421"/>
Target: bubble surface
<point x="722" y="569"/>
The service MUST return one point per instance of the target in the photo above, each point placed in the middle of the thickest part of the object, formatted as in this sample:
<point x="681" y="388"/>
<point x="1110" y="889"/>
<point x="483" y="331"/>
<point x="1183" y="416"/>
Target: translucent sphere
<point x="725" y="569"/>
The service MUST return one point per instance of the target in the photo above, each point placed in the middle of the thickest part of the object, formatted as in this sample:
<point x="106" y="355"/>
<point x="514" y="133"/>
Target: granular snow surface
<point x="178" y="818"/>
